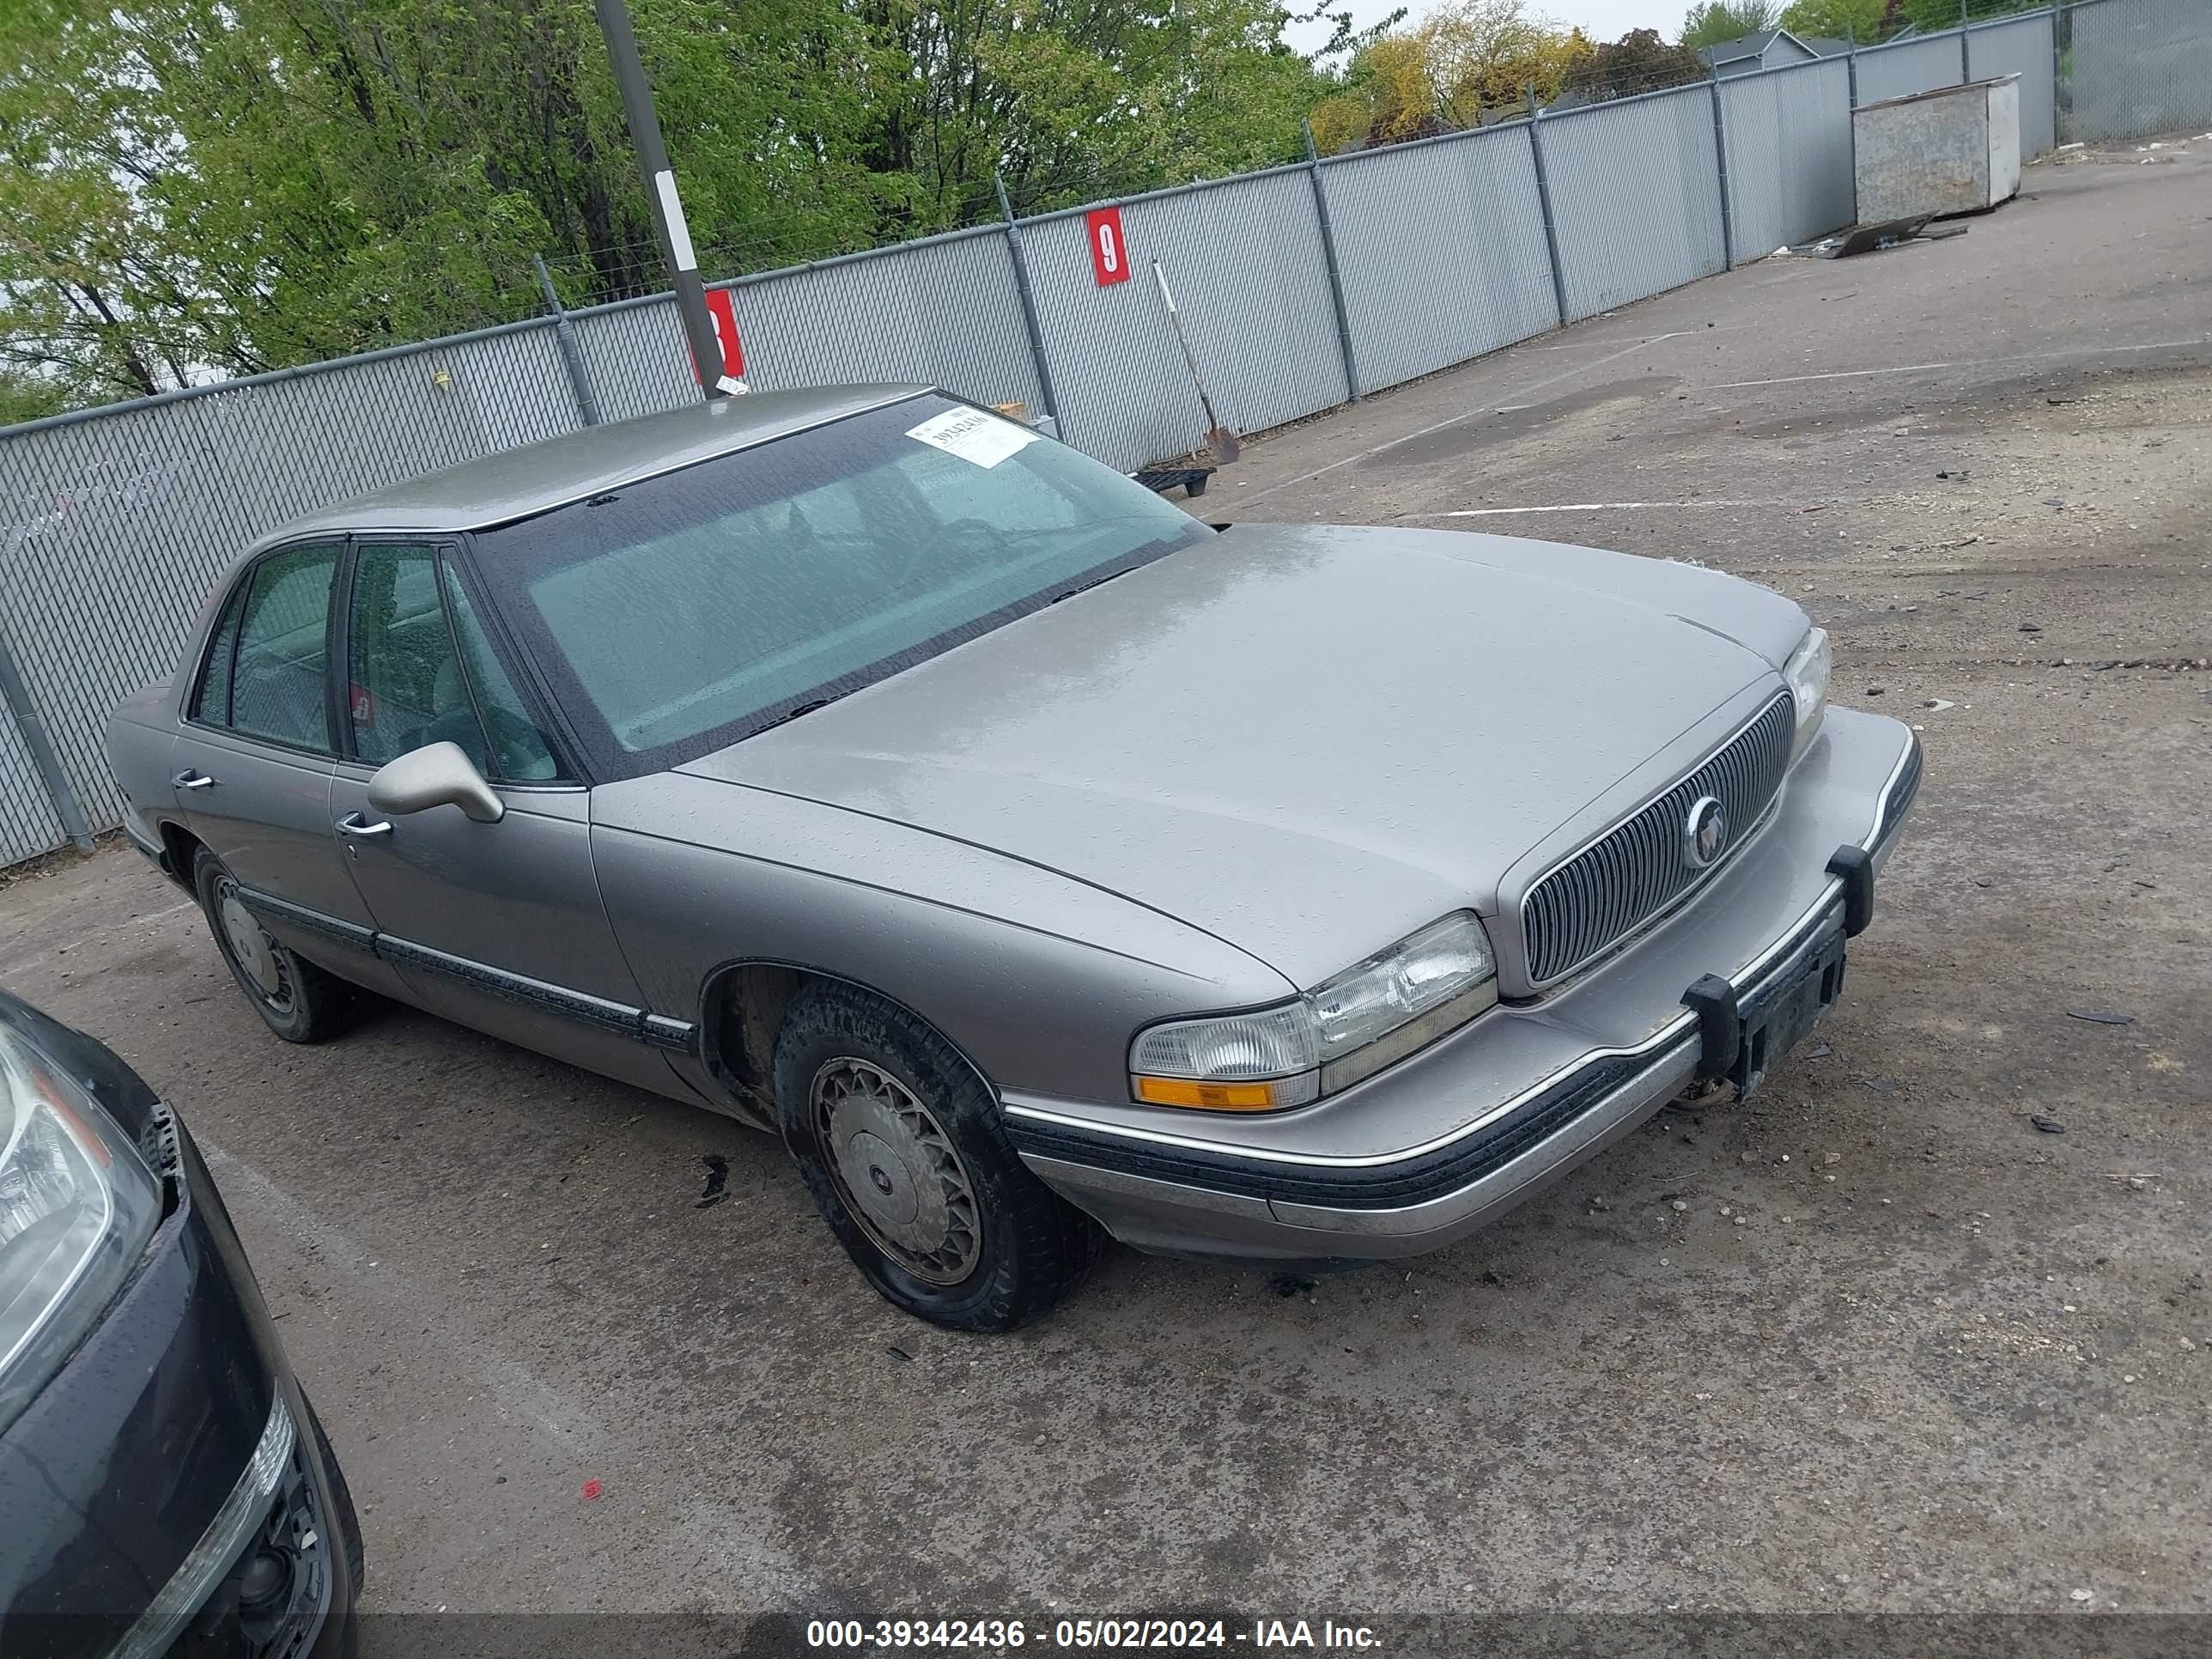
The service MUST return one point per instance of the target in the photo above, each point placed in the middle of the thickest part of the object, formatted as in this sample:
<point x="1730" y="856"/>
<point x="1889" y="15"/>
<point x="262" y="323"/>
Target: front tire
<point x="298" y="1002"/>
<point x="903" y="1149"/>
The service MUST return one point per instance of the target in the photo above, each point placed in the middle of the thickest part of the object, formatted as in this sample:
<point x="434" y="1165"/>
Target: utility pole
<point x="667" y="211"/>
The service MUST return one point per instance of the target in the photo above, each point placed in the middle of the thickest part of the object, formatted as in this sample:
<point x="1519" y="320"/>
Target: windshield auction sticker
<point x="973" y="435"/>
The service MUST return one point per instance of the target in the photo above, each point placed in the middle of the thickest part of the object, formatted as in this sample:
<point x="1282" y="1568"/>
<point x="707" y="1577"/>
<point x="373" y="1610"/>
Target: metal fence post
<point x="1720" y="162"/>
<point x="1028" y="305"/>
<point x="1851" y="109"/>
<point x="1965" y="46"/>
<point x="1544" y="200"/>
<point x="572" y="358"/>
<point x="15" y="696"/>
<point x="1335" y="272"/>
<point x="2057" y="58"/>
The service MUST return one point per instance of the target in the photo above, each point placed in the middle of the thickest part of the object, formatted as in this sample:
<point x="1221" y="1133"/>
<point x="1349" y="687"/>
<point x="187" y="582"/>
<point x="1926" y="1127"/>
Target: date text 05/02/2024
<point x="1006" y="1635"/>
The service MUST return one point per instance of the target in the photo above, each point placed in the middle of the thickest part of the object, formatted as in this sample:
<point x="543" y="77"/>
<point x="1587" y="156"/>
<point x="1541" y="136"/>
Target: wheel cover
<point x="259" y="959"/>
<point x="896" y="1170"/>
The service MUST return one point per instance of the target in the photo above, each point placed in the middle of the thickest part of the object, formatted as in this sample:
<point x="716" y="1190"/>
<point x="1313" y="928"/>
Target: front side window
<point x="277" y="685"/>
<point x="419" y="671"/>
<point x="687" y="612"/>
<point x="403" y="686"/>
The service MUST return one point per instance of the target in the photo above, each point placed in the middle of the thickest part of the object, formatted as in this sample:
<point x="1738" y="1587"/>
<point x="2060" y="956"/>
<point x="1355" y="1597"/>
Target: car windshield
<point x="684" y="612"/>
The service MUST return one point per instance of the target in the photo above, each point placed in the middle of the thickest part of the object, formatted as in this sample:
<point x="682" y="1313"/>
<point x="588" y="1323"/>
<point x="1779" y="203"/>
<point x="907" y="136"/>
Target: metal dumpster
<point x="1956" y="150"/>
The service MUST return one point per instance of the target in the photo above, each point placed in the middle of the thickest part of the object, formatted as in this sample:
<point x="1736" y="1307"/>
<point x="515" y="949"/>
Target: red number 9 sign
<point x="1109" y="259"/>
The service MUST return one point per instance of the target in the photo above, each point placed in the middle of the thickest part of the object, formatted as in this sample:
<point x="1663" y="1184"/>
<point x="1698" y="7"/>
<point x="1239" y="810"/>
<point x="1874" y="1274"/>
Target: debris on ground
<point x="1881" y="1086"/>
<point x="591" y="1489"/>
<point x="2049" y="1126"/>
<point x="1985" y="881"/>
<point x="897" y="1352"/>
<point x="1818" y="1051"/>
<point x="1939" y="704"/>
<point x="718" y="1181"/>
<point x="2101" y="1016"/>
<point x="1873" y="238"/>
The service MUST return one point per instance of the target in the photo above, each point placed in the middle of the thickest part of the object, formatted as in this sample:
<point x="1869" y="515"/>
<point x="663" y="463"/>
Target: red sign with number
<point x="724" y="311"/>
<point x="1109" y="257"/>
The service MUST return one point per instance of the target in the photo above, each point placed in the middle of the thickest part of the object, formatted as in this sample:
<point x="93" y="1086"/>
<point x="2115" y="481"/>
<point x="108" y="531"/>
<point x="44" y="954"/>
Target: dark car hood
<point x="1307" y="740"/>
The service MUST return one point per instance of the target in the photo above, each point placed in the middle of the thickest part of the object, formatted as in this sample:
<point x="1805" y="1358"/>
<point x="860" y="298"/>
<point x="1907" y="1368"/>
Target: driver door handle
<point x="193" y="780"/>
<point x="353" y="824"/>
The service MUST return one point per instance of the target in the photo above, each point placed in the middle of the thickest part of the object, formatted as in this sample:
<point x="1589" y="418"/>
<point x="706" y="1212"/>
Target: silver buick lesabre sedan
<point x="1038" y="862"/>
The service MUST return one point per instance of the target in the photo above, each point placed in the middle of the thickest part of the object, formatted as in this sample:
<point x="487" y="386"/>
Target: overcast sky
<point x="1600" y="19"/>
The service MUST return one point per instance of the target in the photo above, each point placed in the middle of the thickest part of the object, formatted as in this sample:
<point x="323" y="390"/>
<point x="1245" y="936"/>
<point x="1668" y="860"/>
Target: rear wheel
<point x="904" y="1151"/>
<point x="298" y="1002"/>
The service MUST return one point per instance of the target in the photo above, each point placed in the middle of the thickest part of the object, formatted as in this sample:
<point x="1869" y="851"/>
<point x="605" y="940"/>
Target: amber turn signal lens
<point x="1212" y="1096"/>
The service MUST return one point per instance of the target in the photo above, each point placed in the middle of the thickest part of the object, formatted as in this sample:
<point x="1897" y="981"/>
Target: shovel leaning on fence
<point x="1218" y="438"/>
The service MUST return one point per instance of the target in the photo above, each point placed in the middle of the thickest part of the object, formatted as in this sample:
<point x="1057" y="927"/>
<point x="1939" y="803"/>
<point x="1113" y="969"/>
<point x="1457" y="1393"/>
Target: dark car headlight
<point x="77" y="1204"/>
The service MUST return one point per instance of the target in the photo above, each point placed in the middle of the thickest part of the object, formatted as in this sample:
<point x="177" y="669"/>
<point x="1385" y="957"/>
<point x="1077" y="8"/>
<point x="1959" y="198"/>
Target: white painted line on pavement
<point x="1580" y="507"/>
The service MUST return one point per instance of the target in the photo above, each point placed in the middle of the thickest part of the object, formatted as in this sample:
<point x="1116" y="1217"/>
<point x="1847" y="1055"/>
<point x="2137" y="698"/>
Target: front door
<point x="496" y="926"/>
<point x="253" y="763"/>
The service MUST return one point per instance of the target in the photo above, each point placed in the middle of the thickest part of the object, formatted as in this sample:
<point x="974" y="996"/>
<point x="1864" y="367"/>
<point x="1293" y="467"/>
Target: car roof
<point x="499" y="488"/>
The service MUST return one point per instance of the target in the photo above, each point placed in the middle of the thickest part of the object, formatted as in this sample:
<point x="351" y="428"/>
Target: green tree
<point x="192" y="188"/>
<point x="1639" y="62"/>
<point x="1468" y="62"/>
<point x="1857" y="20"/>
<point x="1713" y="20"/>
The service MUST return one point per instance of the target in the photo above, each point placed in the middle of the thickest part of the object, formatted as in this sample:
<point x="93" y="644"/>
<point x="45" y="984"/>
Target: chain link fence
<point x="1302" y="286"/>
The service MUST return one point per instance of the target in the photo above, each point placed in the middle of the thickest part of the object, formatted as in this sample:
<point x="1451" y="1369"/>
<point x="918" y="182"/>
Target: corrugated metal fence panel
<point x="28" y="825"/>
<point x="1788" y="154"/>
<point x="1636" y="195"/>
<point x="2139" y="67"/>
<point x="2020" y="46"/>
<point x="1245" y="263"/>
<point x="944" y="314"/>
<point x="1920" y="64"/>
<point x="142" y="508"/>
<point x="636" y="357"/>
<point x="1442" y="247"/>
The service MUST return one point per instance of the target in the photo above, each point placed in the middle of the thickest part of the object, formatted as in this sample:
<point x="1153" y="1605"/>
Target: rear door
<point x="254" y="761"/>
<point x="496" y="926"/>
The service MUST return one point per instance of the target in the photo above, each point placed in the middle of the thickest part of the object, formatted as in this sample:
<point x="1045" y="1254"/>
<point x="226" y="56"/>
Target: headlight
<point x="1347" y="1027"/>
<point x="77" y="1204"/>
<point x="1806" y="671"/>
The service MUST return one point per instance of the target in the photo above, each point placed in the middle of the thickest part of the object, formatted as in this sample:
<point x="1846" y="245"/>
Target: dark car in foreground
<point x="165" y="1487"/>
<point x="1029" y="856"/>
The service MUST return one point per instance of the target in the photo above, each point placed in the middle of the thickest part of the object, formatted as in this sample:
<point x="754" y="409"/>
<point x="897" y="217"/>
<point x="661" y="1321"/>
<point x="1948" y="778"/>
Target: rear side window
<point x="278" y="688"/>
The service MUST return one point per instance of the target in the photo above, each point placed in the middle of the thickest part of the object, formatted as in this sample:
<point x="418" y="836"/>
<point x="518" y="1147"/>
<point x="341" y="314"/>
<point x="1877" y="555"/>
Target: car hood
<point x="1306" y="740"/>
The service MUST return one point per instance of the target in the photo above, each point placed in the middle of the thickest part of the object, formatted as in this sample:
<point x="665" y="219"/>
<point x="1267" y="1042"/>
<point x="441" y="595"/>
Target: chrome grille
<point x="1636" y="869"/>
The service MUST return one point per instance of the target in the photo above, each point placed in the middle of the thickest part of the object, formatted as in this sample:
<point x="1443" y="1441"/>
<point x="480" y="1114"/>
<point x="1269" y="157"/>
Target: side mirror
<point x="437" y="774"/>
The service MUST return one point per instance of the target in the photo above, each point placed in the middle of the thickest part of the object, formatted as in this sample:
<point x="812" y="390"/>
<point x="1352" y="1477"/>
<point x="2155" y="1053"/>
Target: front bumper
<point x="172" y="1446"/>
<point x="1433" y="1148"/>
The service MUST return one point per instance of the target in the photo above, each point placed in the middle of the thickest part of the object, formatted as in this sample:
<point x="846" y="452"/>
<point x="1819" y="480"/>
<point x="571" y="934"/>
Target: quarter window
<point x="277" y="689"/>
<point x="211" y="698"/>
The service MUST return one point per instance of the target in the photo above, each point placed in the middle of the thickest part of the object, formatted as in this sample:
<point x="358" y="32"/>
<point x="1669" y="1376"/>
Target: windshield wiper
<point x="1095" y="582"/>
<point x="790" y="714"/>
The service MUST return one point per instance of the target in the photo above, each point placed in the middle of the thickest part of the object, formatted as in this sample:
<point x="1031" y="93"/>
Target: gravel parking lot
<point x="1874" y="1340"/>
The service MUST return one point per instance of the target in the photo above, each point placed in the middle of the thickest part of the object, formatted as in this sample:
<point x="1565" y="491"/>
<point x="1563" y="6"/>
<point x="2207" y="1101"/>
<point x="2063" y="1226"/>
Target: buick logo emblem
<point x="1704" y="833"/>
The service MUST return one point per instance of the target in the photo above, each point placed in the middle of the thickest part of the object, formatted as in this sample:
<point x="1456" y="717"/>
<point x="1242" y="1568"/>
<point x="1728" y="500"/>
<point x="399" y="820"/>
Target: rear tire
<point x="298" y="1002"/>
<point x="903" y="1151"/>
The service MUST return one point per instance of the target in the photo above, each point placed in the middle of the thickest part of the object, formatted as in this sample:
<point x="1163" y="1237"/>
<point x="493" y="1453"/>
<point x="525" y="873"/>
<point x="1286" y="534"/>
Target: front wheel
<point x="902" y="1147"/>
